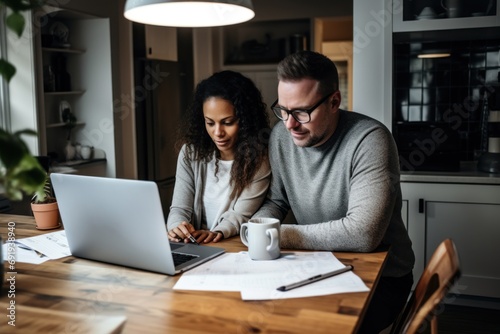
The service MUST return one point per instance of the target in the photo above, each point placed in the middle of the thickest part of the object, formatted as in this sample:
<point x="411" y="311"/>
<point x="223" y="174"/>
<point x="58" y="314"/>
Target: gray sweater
<point x="187" y="201"/>
<point x="344" y="194"/>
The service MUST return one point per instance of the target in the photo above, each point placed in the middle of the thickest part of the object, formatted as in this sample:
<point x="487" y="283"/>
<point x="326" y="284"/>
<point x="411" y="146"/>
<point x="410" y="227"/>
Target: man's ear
<point x="336" y="99"/>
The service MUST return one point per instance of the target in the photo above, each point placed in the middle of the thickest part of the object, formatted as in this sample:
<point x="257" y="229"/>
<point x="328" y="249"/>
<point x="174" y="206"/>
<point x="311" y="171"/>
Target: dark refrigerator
<point x="158" y="97"/>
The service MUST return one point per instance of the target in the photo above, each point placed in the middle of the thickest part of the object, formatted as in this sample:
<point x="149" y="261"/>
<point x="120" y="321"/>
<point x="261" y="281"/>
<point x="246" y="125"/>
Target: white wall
<point x="372" y="54"/>
<point x="97" y="103"/>
<point x="22" y="87"/>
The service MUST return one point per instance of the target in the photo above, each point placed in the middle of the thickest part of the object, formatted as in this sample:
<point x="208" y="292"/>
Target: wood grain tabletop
<point x="73" y="295"/>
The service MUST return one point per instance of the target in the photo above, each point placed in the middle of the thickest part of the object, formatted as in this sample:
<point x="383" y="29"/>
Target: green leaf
<point x="12" y="149"/>
<point x="16" y="22"/>
<point x="27" y="176"/>
<point x="7" y="70"/>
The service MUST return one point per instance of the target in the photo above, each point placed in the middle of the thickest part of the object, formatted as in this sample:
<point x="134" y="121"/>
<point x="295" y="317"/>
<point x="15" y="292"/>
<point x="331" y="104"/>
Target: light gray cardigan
<point x="187" y="202"/>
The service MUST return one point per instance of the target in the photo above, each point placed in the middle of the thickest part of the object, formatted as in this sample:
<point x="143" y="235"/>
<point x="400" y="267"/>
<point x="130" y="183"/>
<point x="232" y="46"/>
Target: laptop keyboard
<point x="180" y="258"/>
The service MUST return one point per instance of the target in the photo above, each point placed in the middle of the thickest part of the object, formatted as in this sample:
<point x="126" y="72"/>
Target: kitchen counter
<point x="468" y="174"/>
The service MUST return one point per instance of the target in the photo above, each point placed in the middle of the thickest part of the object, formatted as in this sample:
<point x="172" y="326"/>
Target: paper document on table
<point x="259" y="279"/>
<point x="13" y="250"/>
<point x="53" y="245"/>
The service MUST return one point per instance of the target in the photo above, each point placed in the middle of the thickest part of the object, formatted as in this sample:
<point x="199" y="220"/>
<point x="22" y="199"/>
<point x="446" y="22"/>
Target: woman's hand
<point x="181" y="232"/>
<point x="184" y="230"/>
<point x="206" y="236"/>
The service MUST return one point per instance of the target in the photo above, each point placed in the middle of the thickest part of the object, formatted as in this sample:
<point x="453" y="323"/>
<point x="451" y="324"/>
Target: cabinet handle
<point x="150" y="50"/>
<point x="420" y="205"/>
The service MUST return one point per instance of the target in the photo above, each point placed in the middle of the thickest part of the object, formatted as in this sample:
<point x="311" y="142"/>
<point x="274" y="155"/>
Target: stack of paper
<point x="259" y="280"/>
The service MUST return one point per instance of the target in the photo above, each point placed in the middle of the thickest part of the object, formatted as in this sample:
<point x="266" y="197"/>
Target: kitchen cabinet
<point x="265" y="42"/>
<point x="468" y="214"/>
<point x="161" y="42"/>
<point x="453" y="202"/>
<point x="409" y="15"/>
<point x="73" y="62"/>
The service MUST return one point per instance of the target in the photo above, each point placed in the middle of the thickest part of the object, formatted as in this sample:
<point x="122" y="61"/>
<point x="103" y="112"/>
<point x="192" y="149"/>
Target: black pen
<point x="193" y="240"/>
<point x="315" y="278"/>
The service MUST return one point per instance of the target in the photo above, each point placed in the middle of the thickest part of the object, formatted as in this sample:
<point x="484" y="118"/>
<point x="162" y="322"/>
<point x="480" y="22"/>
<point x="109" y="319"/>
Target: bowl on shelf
<point x="428" y="13"/>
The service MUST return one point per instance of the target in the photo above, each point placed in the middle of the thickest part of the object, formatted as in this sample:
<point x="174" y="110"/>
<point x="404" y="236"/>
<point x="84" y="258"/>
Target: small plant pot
<point x="46" y="215"/>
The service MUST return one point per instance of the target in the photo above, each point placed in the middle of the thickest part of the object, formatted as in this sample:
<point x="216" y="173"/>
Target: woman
<point x="223" y="171"/>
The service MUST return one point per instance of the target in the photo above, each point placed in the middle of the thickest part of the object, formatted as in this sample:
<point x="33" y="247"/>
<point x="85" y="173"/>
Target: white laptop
<point x="121" y="221"/>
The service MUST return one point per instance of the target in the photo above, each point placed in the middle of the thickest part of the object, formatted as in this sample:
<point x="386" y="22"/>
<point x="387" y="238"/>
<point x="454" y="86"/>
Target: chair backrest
<point x="438" y="277"/>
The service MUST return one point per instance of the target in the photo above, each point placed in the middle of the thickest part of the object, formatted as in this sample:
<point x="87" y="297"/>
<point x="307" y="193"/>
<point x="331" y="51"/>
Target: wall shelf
<point x="62" y="125"/>
<point x="77" y="71"/>
<point x="69" y="50"/>
<point x="73" y="92"/>
<point x="406" y="18"/>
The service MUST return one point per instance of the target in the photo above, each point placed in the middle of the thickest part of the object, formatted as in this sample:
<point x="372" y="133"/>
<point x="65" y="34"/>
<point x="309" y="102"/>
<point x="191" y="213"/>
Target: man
<point x="338" y="172"/>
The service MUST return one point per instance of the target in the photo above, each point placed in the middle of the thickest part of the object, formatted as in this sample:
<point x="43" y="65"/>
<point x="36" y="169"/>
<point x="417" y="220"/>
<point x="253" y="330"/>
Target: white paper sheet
<point x="257" y="280"/>
<point x="53" y="245"/>
<point x="22" y="253"/>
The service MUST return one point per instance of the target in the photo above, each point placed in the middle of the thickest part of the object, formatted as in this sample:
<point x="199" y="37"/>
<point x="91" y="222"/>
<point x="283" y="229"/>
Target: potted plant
<point x="45" y="208"/>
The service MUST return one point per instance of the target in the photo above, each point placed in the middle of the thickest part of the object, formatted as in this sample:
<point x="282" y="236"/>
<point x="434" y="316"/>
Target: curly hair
<point x="253" y="134"/>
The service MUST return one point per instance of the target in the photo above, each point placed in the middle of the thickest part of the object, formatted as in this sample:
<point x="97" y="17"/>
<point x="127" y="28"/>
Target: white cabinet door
<point x="161" y="43"/>
<point x="467" y="213"/>
<point x="475" y="230"/>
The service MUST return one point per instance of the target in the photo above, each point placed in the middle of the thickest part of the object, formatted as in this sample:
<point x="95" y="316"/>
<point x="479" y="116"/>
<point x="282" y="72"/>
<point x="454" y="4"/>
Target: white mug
<point x="86" y="152"/>
<point x="262" y="237"/>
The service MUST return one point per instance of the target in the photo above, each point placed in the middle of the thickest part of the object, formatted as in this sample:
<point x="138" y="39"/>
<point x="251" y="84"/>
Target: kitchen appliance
<point x="158" y="96"/>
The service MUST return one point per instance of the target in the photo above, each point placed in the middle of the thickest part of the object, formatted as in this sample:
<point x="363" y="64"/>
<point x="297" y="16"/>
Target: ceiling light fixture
<point x="189" y="13"/>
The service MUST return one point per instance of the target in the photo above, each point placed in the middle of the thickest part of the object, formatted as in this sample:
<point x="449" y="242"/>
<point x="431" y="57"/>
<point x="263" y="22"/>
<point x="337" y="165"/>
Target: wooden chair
<point x="438" y="277"/>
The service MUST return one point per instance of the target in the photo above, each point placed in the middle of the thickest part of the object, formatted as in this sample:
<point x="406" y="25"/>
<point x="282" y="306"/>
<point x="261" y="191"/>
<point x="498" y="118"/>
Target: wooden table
<point x="77" y="295"/>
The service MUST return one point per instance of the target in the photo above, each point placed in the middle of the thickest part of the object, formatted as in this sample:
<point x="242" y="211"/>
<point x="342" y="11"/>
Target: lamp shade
<point x="189" y="13"/>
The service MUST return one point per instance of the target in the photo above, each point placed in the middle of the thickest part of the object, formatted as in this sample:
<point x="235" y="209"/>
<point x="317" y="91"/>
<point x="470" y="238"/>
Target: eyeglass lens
<point x="300" y="116"/>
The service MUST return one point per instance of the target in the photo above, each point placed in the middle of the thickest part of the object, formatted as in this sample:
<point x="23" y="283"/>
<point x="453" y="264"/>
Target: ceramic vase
<point x="86" y="152"/>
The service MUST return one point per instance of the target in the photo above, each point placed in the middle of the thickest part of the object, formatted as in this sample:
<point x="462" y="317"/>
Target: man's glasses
<point x="301" y="116"/>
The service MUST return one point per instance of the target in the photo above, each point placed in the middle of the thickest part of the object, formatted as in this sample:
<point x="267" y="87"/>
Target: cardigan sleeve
<point x="184" y="193"/>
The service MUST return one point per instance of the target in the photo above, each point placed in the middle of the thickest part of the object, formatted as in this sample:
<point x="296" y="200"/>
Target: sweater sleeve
<point x="184" y="192"/>
<point x="372" y="194"/>
<point x="242" y="208"/>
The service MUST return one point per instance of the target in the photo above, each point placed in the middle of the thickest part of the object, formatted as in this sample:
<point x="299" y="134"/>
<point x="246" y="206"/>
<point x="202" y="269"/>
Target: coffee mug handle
<point x="244" y="234"/>
<point x="273" y="234"/>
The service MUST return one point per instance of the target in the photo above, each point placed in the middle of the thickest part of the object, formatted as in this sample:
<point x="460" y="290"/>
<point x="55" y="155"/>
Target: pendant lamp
<point x="189" y="13"/>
